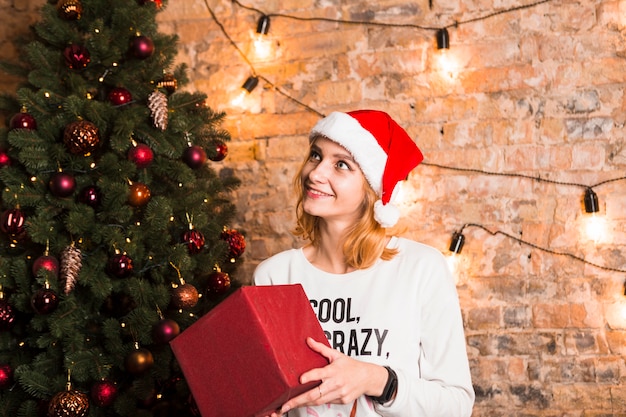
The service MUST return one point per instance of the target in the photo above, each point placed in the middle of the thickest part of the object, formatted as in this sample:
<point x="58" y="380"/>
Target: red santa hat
<point x="384" y="151"/>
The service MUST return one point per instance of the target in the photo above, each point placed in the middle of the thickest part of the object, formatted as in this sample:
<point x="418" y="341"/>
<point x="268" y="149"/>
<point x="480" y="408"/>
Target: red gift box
<point x="244" y="358"/>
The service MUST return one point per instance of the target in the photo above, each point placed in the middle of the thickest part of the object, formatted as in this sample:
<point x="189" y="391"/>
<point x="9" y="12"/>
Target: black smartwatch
<point x="390" y="388"/>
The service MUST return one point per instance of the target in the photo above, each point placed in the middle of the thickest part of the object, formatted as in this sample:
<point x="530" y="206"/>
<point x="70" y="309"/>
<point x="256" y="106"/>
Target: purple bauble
<point x="194" y="156"/>
<point x="141" y="47"/>
<point x="44" y="301"/>
<point x="62" y="184"/>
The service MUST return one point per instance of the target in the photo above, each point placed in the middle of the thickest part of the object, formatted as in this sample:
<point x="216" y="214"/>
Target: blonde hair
<point x="364" y="243"/>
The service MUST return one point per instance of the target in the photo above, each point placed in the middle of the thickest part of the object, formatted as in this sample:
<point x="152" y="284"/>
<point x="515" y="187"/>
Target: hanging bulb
<point x="446" y="61"/>
<point x="595" y="225"/>
<point x="263" y="46"/>
<point x="458" y="240"/>
<point x="443" y="39"/>
<point x="263" y="26"/>
<point x="246" y="89"/>
<point x="591" y="201"/>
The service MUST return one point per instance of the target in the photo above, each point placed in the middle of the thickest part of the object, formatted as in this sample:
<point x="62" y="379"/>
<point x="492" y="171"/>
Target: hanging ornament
<point x="141" y="155"/>
<point x="169" y="83"/>
<point x="70" y="9"/>
<point x="76" y="56"/>
<point x="81" y="137"/>
<point x="47" y="263"/>
<point x="103" y="393"/>
<point x="138" y="195"/>
<point x="71" y="264"/>
<point x="236" y="243"/>
<point x="7" y="314"/>
<point x="90" y="196"/>
<point x="218" y="283"/>
<point x="139" y="360"/>
<point x="194" y="239"/>
<point x="217" y="150"/>
<point x="5" y="159"/>
<point x="141" y="47"/>
<point x="164" y="331"/>
<point x="62" y="184"/>
<point x="194" y="156"/>
<point x="185" y="296"/>
<point x="44" y="301"/>
<point x="120" y="96"/>
<point x="120" y="265"/>
<point x="157" y="103"/>
<point x="69" y="403"/>
<point x="12" y="222"/>
<point x="23" y="120"/>
<point x="6" y="376"/>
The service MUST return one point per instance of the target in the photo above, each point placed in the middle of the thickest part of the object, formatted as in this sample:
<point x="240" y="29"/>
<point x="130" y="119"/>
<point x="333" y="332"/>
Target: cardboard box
<point x="245" y="356"/>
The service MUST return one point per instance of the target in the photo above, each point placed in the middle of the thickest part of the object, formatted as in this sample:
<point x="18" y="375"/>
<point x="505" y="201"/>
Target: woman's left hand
<point x="343" y="380"/>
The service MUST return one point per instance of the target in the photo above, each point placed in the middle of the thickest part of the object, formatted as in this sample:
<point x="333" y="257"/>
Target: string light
<point x="247" y="87"/>
<point x="443" y="39"/>
<point x="262" y="43"/>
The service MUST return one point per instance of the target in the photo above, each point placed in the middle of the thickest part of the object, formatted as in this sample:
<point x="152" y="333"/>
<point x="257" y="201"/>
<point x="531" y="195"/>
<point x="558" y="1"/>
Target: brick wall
<point x="538" y="92"/>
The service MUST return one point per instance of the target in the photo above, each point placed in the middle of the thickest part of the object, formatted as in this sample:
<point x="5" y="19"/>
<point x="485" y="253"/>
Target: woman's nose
<point x="319" y="173"/>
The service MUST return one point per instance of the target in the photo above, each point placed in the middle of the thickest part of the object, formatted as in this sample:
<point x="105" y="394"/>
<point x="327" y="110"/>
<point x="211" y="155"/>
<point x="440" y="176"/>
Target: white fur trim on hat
<point x="362" y="145"/>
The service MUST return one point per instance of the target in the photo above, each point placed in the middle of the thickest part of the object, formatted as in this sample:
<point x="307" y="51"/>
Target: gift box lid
<point x="245" y="356"/>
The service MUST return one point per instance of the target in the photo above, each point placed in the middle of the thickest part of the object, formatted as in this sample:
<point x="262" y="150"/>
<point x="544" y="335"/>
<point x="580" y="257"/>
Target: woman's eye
<point x="342" y="165"/>
<point x="314" y="156"/>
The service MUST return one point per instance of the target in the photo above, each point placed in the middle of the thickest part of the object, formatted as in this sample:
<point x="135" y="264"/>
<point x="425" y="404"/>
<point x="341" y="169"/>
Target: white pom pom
<point x="387" y="215"/>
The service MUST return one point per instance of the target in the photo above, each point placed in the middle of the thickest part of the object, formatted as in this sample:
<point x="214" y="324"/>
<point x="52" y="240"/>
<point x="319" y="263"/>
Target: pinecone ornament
<point x="157" y="103"/>
<point x="71" y="263"/>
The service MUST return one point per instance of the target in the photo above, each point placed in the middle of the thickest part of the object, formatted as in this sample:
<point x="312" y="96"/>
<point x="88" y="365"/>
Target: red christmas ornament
<point x="194" y="240"/>
<point x="6" y="376"/>
<point x="12" y="221"/>
<point x="139" y="361"/>
<point x="5" y="160"/>
<point x="141" y="155"/>
<point x="23" y="120"/>
<point x="44" y="301"/>
<point x="194" y="156"/>
<point x="62" y="184"/>
<point x="90" y="196"/>
<point x="218" y="283"/>
<point x="7" y="315"/>
<point x="164" y="331"/>
<point x="185" y="296"/>
<point x="120" y="265"/>
<point x="141" y="47"/>
<point x="120" y="96"/>
<point x="103" y="393"/>
<point x="76" y="56"/>
<point x="218" y="150"/>
<point x="47" y="263"/>
<point x="139" y="194"/>
<point x="236" y="243"/>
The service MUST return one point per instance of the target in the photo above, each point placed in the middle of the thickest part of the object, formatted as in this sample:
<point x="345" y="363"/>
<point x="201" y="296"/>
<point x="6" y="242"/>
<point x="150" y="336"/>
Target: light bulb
<point x="595" y="227"/>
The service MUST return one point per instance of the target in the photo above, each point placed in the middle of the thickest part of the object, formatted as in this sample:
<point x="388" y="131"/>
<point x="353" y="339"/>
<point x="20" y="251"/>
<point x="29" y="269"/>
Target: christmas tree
<point x="114" y="221"/>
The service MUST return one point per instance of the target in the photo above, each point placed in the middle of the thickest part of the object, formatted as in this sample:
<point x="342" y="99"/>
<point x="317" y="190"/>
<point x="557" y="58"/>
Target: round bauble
<point x="194" y="156"/>
<point x="81" y="137"/>
<point x="141" y="155"/>
<point x="12" y="221"/>
<point x="120" y="265"/>
<point x="44" y="301"/>
<point x="120" y="96"/>
<point x="164" y="331"/>
<point x="76" y="56"/>
<point x="5" y="159"/>
<point x="218" y="150"/>
<point x="70" y="403"/>
<point x="90" y="196"/>
<point x="23" y="120"/>
<point x="6" y="376"/>
<point x="139" y="361"/>
<point x="141" y="47"/>
<point x="103" y="393"/>
<point x="218" y="283"/>
<point x="62" y="184"/>
<point x="236" y="243"/>
<point x="47" y="263"/>
<point x="70" y="9"/>
<point x="195" y="241"/>
<point x="138" y="195"/>
<point x="185" y="296"/>
<point x="7" y="316"/>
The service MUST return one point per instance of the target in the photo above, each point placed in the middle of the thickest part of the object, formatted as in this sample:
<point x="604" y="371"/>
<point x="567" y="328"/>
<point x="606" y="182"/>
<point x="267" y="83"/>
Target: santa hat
<point x="383" y="150"/>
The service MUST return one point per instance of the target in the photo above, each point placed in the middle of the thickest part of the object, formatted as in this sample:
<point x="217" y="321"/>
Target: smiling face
<point x="333" y="183"/>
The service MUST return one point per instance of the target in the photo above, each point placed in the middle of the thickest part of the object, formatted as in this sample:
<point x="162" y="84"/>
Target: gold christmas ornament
<point x="157" y="103"/>
<point x="81" y="137"/>
<point x="185" y="296"/>
<point x="70" y="9"/>
<point x="70" y="403"/>
<point x="169" y="83"/>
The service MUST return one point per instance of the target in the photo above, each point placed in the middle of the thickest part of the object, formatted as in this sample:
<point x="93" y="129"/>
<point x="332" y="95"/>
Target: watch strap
<point x="390" y="387"/>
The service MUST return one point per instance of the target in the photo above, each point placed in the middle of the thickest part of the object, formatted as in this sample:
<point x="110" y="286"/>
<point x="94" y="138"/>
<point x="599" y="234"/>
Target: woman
<point x="388" y="305"/>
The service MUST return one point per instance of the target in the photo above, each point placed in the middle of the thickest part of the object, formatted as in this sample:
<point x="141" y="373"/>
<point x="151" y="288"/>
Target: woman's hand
<point x="343" y="380"/>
